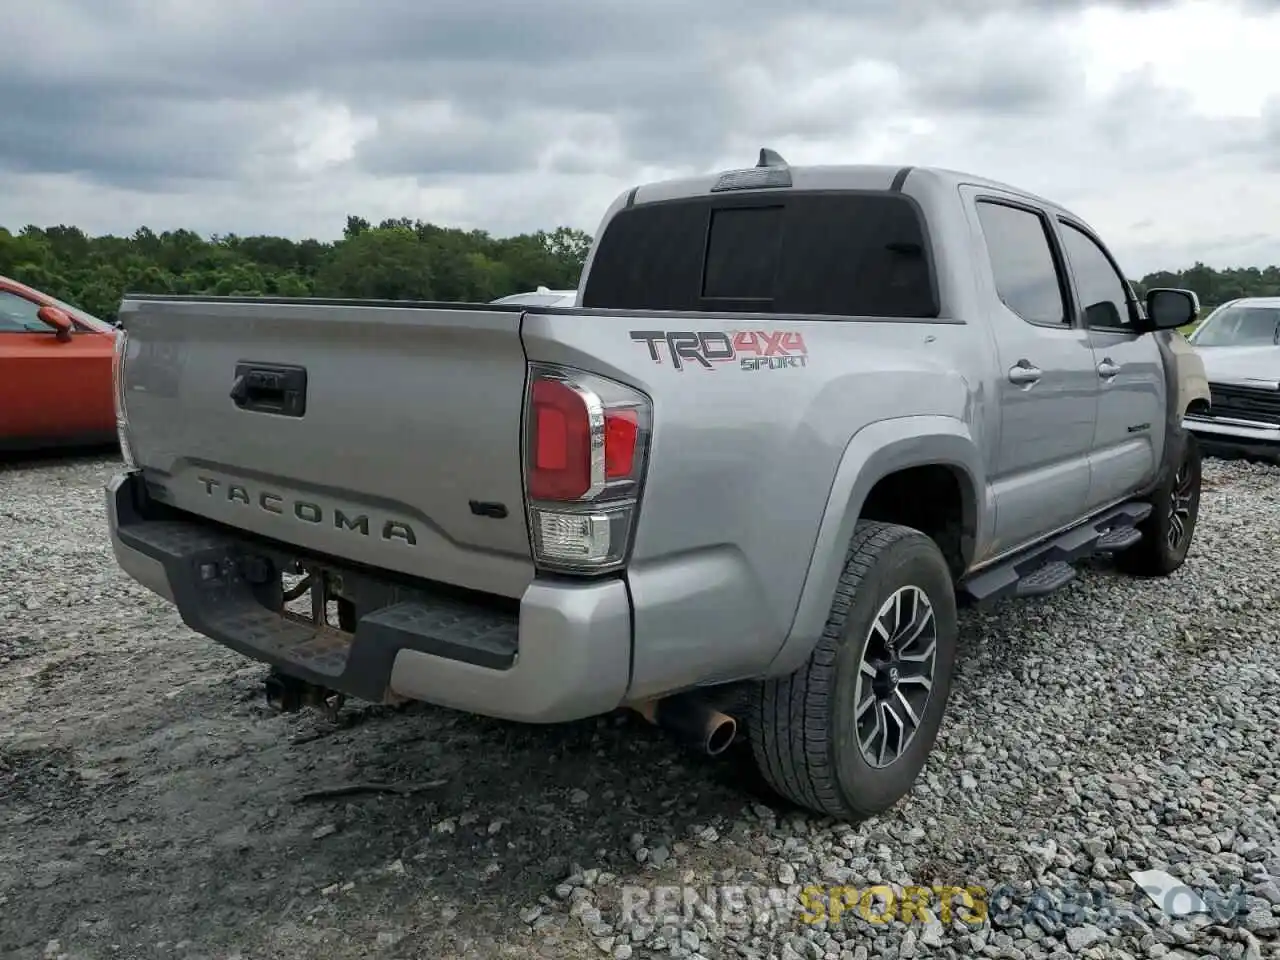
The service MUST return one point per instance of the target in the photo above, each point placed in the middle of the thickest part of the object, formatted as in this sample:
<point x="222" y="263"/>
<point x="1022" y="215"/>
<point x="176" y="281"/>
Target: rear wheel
<point x="1175" y="507"/>
<point x="848" y="733"/>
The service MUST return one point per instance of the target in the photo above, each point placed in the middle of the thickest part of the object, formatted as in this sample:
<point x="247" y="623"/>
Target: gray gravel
<point x="152" y="805"/>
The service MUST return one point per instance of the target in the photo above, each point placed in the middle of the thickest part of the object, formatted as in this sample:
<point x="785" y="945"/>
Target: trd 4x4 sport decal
<point x="753" y="349"/>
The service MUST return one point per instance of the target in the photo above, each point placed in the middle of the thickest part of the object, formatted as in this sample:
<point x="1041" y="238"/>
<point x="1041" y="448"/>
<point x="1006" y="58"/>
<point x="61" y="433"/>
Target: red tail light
<point x="561" y="441"/>
<point x="621" y="430"/>
<point x="586" y="441"/>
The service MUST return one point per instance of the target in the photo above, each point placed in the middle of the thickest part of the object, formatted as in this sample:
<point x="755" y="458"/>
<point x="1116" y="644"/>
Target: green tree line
<point x="399" y="259"/>
<point x="1216" y="287"/>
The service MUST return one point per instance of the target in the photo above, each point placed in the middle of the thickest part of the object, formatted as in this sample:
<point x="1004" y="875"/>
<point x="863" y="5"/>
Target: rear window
<point x="834" y="254"/>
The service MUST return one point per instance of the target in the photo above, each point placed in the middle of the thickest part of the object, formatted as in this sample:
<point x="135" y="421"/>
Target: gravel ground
<point x="152" y="806"/>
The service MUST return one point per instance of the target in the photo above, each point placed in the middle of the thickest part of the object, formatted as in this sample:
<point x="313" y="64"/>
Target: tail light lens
<point x="586" y="440"/>
<point x="117" y="384"/>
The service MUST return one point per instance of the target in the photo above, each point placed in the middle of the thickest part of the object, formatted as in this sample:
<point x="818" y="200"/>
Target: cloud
<point x="1158" y="121"/>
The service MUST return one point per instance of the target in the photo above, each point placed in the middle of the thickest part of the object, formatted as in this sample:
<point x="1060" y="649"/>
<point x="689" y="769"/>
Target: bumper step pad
<point x="207" y="571"/>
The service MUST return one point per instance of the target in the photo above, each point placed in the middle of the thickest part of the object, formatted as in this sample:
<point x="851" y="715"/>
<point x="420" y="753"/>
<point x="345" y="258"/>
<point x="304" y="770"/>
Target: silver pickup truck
<point x="796" y="418"/>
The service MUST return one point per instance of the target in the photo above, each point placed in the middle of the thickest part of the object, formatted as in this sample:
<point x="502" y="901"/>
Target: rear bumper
<point x="564" y="655"/>
<point x="1232" y="438"/>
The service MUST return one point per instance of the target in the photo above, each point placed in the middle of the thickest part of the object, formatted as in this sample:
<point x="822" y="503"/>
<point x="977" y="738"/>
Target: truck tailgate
<point x="398" y="446"/>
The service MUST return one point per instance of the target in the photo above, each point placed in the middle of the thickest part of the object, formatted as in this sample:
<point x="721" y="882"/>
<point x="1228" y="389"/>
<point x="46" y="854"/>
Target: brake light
<point x="586" y="439"/>
<point x="561" y="439"/>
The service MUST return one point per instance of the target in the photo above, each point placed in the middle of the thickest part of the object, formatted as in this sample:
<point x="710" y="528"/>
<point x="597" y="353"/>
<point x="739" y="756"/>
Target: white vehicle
<point x="542" y="297"/>
<point x="1239" y="344"/>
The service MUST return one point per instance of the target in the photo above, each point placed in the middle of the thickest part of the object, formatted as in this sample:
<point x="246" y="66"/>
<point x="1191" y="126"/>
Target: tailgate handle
<point x="270" y="388"/>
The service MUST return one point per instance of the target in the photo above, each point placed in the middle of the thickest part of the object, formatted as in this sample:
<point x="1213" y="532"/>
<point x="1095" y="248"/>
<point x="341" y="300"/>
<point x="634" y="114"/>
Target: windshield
<point x="37" y="297"/>
<point x="78" y="315"/>
<point x="1240" y="327"/>
<point x="88" y="319"/>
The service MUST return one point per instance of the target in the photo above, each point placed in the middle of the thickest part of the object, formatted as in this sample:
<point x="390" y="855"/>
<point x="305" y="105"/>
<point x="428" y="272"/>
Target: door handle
<point x="1107" y="369"/>
<point x="1024" y="373"/>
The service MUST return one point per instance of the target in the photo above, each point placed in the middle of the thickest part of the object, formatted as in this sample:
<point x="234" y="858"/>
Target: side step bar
<point x="1048" y="566"/>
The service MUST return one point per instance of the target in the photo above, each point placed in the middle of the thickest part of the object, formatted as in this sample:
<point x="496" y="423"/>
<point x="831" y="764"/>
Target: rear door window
<point x="1022" y="263"/>
<point x="816" y="253"/>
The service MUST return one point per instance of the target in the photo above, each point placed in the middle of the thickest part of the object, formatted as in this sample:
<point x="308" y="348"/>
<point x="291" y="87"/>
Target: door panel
<point x="1129" y="437"/>
<point x="1047" y="386"/>
<point x="50" y="389"/>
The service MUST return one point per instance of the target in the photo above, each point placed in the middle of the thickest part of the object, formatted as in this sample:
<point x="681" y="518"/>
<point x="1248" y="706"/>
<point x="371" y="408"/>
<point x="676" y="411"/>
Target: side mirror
<point x="58" y="319"/>
<point x="1169" y="308"/>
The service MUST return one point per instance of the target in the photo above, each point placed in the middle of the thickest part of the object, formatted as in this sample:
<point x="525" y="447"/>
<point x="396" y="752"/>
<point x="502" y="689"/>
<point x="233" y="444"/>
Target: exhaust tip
<point x="692" y="721"/>
<point x="721" y="736"/>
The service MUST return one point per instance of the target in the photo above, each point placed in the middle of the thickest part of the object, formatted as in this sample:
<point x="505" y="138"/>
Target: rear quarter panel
<point x="745" y="454"/>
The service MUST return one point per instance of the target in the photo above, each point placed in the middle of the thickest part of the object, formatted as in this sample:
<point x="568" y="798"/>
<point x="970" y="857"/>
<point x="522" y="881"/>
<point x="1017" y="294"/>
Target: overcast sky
<point x="1159" y="122"/>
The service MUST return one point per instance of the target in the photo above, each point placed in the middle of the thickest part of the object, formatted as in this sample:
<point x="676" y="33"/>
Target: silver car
<point x="1240" y="345"/>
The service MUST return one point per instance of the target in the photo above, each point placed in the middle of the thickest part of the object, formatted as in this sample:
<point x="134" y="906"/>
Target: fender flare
<point x="874" y="452"/>
<point x="1185" y="382"/>
<point x="1184" y="374"/>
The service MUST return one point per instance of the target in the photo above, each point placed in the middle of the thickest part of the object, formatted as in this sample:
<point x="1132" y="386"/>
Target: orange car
<point x="55" y="372"/>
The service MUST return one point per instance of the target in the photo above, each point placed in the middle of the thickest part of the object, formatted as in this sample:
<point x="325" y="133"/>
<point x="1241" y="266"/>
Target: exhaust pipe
<point x="690" y="720"/>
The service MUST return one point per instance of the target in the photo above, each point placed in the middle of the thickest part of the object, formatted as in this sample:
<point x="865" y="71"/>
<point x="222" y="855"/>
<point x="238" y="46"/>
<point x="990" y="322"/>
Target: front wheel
<point x="1175" y="507"/>
<point x="848" y="733"/>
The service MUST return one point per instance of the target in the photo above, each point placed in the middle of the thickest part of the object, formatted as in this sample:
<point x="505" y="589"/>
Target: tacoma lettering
<point x="395" y="530"/>
<point x="360" y="523"/>
<point x="306" y="511"/>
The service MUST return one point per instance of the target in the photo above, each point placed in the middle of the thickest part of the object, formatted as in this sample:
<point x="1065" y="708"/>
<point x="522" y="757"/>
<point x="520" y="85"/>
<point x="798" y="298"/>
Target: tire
<point x="1175" y="507"/>
<point x="803" y="727"/>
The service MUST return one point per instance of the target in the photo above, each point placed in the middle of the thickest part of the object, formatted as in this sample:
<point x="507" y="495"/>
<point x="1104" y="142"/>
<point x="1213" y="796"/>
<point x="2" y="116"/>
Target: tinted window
<point x="1103" y="292"/>
<point x="1022" y="263"/>
<point x="835" y="254"/>
<point x="743" y="248"/>
<point x="18" y="315"/>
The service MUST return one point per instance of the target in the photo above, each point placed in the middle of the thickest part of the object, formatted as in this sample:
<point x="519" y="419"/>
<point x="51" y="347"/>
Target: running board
<point x="1047" y="566"/>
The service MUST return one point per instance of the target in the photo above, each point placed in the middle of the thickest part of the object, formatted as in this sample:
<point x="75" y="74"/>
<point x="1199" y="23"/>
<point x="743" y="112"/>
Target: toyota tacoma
<point x="796" y="417"/>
